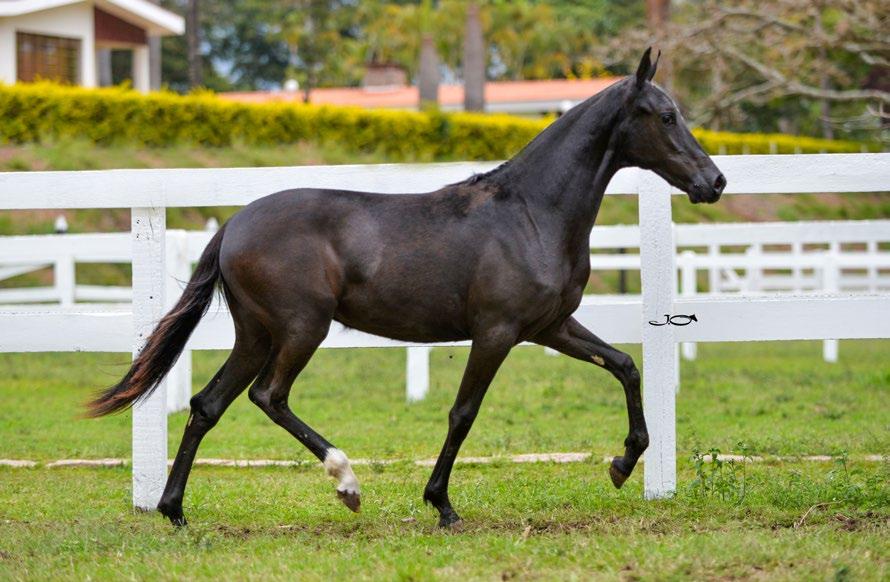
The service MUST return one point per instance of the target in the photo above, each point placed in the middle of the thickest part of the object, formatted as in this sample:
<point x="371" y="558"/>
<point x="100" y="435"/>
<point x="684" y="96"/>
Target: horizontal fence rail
<point x="780" y="174"/>
<point x="721" y="318"/>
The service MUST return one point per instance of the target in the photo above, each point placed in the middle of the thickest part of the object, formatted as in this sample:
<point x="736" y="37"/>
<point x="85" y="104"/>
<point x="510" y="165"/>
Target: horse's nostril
<point x="719" y="183"/>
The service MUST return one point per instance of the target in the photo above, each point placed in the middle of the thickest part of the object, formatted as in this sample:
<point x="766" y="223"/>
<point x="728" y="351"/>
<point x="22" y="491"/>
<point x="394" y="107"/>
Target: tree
<point x="428" y="82"/>
<point x="474" y="61"/>
<point x="193" y="41"/>
<point x="321" y="37"/>
<point x="756" y="66"/>
<point x="154" y="60"/>
<point x="658" y="17"/>
<point x="247" y="38"/>
<point x="390" y="33"/>
<point x="174" y="51"/>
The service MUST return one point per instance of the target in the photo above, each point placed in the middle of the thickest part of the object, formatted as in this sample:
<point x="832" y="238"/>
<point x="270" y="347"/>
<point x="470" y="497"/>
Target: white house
<point x="64" y="40"/>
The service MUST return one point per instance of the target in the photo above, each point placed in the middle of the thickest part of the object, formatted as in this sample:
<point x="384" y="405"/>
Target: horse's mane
<point x="483" y="175"/>
<point x="556" y="129"/>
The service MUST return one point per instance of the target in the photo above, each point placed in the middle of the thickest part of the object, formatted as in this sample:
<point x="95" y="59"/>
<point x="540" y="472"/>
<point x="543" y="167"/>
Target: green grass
<point x="542" y="521"/>
<point x="73" y="154"/>
<point x="545" y="521"/>
<point x="778" y="398"/>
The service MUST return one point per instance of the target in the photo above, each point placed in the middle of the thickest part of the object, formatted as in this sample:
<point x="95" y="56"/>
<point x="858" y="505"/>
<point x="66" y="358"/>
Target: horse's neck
<point x="564" y="175"/>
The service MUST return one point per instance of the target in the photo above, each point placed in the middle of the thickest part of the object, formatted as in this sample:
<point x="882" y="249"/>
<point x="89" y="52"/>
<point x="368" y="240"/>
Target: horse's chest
<point x="552" y="292"/>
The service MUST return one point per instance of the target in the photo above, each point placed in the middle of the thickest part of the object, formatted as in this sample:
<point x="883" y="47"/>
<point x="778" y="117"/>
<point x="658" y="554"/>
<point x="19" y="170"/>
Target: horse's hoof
<point x="618" y="476"/>
<point x="175" y="516"/>
<point x="451" y="523"/>
<point x="350" y="499"/>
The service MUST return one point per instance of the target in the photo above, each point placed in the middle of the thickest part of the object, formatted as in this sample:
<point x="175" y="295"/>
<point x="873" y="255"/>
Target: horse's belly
<point x="404" y="317"/>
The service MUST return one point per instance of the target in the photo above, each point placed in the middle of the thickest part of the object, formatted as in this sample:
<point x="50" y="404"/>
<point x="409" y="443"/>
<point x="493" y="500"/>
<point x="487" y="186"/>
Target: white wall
<point x="73" y="21"/>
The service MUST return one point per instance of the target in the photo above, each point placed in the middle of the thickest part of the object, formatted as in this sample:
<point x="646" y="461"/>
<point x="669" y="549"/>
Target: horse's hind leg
<point x="270" y="392"/>
<point x="486" y="355"/>
<point x="251" y="350"/>
<point x="573" y="339"/>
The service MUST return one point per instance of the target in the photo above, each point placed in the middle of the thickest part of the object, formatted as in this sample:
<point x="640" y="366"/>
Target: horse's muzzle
<point x="708" y="191"/>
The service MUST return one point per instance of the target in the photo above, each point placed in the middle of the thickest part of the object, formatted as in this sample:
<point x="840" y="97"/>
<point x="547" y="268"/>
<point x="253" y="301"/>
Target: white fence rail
<point x="818" y="255"/>
<point x="149" y="192"/>
<point x="22" y="254"/>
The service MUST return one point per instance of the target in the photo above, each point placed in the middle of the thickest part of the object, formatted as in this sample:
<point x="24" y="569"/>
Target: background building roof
<point x="500" y="96"/>
<point x="155" y="20"/>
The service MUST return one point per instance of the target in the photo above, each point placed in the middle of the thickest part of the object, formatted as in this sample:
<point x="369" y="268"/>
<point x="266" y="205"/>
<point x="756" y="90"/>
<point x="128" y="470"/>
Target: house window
<point x="47" y="57"/>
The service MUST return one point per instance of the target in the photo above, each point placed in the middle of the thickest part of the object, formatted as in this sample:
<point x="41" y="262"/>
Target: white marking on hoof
<point x="337" y="466"/>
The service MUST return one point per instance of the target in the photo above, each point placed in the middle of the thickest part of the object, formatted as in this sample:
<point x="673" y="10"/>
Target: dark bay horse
<point x="499" y="259"/>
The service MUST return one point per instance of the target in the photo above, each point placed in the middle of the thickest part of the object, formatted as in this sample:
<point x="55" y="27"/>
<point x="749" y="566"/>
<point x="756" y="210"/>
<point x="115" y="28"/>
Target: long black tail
<point x="167" y="340"/>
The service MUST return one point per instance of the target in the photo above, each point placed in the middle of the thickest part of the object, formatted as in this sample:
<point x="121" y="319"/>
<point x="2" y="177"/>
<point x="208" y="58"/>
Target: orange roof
<point x="497" y="92"/>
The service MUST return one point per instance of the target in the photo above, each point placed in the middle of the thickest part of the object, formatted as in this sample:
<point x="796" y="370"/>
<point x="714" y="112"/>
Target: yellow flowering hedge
<point x="41" y="111"/>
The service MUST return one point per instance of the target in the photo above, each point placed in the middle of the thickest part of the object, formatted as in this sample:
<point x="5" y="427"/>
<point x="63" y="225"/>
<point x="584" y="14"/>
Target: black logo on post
<point x="679" y="320"/>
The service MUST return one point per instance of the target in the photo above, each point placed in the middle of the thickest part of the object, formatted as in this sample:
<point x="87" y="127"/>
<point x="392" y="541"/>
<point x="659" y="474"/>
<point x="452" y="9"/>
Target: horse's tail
<point x="167" y="340"/>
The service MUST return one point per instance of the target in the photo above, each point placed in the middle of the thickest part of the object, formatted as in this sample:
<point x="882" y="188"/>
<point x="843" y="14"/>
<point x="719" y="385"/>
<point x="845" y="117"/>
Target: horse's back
<point x="391" y="264"/>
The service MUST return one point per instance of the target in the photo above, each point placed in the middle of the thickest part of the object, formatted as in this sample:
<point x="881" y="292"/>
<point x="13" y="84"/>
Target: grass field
<point x="786" y="519"/>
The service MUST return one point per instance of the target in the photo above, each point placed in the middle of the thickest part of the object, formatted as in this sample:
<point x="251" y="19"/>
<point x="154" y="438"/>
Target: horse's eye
<point x="668" y="118"/>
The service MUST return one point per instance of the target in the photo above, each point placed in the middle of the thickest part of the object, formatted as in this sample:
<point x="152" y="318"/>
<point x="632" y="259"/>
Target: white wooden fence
<point x="62" y="252"/>
<point x="762" y="258"/>
<point x="772" y="257"/>
<point x="719" y="318"/>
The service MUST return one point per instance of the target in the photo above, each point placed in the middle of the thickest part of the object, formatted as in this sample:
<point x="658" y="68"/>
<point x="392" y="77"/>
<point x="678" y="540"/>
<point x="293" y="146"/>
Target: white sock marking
<point x="337" y="466"/>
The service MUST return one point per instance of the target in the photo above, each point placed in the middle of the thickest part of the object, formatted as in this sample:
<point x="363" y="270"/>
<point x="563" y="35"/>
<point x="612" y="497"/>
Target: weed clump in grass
<point x="719" y="478"/>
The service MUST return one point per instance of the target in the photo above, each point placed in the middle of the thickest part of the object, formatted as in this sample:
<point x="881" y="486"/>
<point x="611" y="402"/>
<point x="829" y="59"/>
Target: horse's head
<point x="655" y="137"/>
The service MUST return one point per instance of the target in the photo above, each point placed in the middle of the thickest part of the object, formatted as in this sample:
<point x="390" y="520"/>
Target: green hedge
<point x="41" y="111"/>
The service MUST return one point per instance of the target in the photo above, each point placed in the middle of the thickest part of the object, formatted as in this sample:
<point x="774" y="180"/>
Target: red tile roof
<point x="449" y="95"/>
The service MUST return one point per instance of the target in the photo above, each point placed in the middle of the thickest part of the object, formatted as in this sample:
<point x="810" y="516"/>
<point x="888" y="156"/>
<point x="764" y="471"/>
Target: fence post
<point x="418" y="373"/>
<point x="754" y="272"/>
<point x="796" y="271"/>
<point x="64" y="279"/>
<point x="179" y="380"/>
<point x="871" y="247"/>
<point x="150" y="415"/>
<point x="830" y="277"/>
<point x="659" y="281"/>
<point x="688" y="288"/>
<point x="713" y="270"/>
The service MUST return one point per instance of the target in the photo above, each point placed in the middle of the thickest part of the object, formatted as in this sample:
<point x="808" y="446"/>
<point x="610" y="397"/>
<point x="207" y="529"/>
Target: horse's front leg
<point x="573" y="339"/>
<point x="486" y="356"/>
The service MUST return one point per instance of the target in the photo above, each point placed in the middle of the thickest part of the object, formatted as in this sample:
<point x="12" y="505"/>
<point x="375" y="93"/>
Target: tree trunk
<point x="428" y="83"/>
<point x="824" y="80"/>
<point x="717" y="88"/>
<point x="193" y="39"/>
<point x="658" y="14"/>
<point x="154" y="60"/>
<point x="474" y="61"/>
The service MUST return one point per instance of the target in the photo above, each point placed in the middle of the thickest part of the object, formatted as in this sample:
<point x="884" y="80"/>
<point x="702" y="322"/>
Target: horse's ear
<point x="654" y="66"/>
<point x="643" y="68"/>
